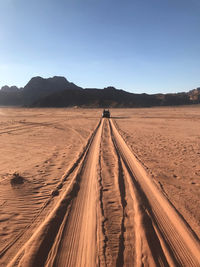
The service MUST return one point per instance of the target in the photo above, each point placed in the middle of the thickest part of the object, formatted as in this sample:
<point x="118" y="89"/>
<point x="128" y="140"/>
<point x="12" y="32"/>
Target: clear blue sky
<point x="138" y="45"/>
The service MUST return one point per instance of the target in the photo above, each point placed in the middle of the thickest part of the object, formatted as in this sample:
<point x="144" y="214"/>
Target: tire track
<point x="110" y="214"/>
<point x="117" y="242"/>
<point x="127" y="238"/>
<point x="77" y="246"/>
<point x="109" y="201"/>
<point x="71" y="169"/>
<point x="24" y="126"/>
<point x="101" y="237"/>
<point x="155" y="219"/>
<point x="40" y="246"/>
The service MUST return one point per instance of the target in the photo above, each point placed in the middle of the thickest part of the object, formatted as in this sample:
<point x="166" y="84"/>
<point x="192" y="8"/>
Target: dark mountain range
<point x="107" y="97"/>
<point x="59" y="92"/>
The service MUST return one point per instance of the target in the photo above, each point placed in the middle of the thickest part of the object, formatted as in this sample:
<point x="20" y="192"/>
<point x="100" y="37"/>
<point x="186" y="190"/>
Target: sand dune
<point x="104" y="210"/>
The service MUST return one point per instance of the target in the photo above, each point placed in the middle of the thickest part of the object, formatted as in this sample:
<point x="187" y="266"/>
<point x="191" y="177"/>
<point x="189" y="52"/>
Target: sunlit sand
<point x="100" y="192"/>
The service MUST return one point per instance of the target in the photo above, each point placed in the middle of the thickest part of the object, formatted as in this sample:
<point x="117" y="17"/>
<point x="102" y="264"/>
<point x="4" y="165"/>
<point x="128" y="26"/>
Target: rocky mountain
<point x="59" y="92"/>
<point x="7" y="89"/>
<point x="39" y="87"/>
<point x="10" y="96"/>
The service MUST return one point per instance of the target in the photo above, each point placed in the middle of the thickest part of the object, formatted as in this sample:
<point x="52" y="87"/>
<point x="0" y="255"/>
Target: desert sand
<point x="123" y="191"/>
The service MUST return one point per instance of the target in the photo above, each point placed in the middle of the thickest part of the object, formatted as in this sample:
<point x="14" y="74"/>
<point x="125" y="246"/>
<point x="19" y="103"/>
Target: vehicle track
<point x="26" y="125"/>
<point x="111" y="214"/>
<point x="76" y="243"/>
<point x="155" y="218"/>
<point x="116" y="225"/>
<point x="19" y="238"/>
<point x="74" y="215"/>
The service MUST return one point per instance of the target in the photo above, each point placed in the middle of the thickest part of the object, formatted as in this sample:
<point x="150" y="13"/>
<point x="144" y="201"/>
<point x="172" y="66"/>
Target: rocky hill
<point x="59" y="92"/>
<point x="39" y="87"/>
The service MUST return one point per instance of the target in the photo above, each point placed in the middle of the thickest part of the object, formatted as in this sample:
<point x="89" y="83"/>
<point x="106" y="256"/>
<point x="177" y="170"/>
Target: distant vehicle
<point x="106" y="113"/>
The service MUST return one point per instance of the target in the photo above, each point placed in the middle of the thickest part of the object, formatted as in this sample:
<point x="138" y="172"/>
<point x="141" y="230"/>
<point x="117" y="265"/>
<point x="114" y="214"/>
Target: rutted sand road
<point x="110" y="214"/>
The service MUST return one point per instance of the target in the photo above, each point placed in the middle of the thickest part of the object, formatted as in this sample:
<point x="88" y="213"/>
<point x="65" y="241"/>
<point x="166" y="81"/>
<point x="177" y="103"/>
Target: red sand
<point x="88" y="199"/>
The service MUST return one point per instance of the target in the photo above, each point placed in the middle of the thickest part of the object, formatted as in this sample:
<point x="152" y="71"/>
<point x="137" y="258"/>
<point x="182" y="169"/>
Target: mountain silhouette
<point x="39" y="87"/>
<point x="59" y="92"/>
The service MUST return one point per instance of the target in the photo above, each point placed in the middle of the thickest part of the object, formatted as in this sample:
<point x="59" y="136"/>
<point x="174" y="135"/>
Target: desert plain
<point x="123" y="191"/>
